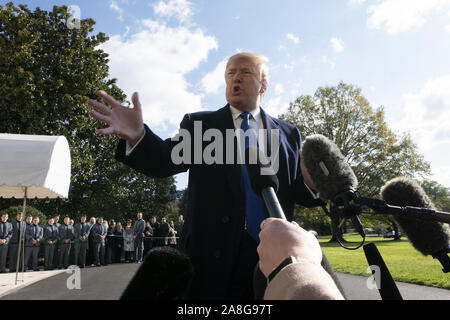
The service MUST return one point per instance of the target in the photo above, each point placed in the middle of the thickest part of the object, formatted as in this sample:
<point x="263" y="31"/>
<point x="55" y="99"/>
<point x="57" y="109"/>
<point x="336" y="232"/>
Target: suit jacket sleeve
<point x="152" y="156"/>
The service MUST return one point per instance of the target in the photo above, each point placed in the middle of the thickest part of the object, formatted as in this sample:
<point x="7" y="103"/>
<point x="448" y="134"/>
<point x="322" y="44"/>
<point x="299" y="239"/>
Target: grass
<point x="404" y="262"/>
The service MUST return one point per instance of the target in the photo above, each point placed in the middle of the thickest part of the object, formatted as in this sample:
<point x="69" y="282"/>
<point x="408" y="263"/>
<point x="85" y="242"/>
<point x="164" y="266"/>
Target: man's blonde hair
<point x="260" y="61"/>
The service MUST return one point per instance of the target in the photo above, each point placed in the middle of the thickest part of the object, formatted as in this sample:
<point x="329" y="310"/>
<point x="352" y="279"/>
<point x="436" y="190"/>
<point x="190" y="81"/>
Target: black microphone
<point x="387" y="288"/>
<point x="264" y="182"/>
<point x="332" y="175"/>
<point x="165" y="274"/>
<point x="427" y="236"/>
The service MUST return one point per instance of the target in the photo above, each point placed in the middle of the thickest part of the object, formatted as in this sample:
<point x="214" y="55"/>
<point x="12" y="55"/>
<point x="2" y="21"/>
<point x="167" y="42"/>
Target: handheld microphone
<point x="265" y="182"/>
<point x="332" y="175"/>
<point x="165" y="275"/>
<point x="427" y="236"/>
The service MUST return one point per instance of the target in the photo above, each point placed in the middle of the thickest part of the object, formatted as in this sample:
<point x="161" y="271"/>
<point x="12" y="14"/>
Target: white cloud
<point x="179" y="9"/>
<point x="279" y="89"/>
<point x="214" y="81"/>
<point x="427" y="115"/>
<point x="447" y="27"/>
<point x="114" y="6"/>
<point x="337" y="44"/>
<point x="293" y="38"/>
<point x="401" y="15"/>
<point x="328" y="61"/>
<point x="356" y="2"/>
<point x="154" y="62"/>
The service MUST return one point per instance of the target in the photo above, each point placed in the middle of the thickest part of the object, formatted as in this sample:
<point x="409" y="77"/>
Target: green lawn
<point x="405" y="263"/>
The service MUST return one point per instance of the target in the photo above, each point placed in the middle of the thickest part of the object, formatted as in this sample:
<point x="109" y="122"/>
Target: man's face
<point x="163" y="220"/>
<point x="92" y="220"/>
<point x="19" y="217"/>
<point x="139" y="215"/>
<point x="243" y="80"/>
<point x="4" y="217"/>
<point x="36" y="221"/>
<point x="29" y="219"/>
<point x="51" y="221"/>
<point x="56" y="219"/>
<point x="180" y="218"/>
<point x="153" y="220"/>
<point x="83" y="219"/>
<point x="66" y="221"/>
<point x="100" y="220"/>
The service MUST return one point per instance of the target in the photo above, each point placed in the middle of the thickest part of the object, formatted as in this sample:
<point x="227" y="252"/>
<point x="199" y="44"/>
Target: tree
<point x="439" y="194"/>
<point x="47" y="72"/>
<point x="376" y="153"/>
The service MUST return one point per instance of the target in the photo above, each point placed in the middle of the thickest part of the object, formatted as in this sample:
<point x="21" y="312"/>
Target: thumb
<point x="135" y="100"/>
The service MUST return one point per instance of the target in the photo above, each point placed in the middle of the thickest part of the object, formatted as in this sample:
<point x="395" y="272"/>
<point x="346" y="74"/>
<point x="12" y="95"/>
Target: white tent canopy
<point x="38" y="164"/>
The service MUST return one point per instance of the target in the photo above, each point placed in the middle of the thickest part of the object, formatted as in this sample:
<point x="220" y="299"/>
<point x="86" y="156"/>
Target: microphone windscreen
<point x="426" y="236"/>
<point x="165" y="274"/>
<point x="329" y="171"/>
<point x="260" y="173"/>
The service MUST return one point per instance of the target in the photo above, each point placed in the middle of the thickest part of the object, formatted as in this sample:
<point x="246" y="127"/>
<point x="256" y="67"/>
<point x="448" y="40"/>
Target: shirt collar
<point x="235" y="113"/>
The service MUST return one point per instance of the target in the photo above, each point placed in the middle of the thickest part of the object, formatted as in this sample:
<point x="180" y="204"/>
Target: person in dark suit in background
<point x="17" y="232"/>
<point x="81" y="242"/>
<point x="118" y="242"/>
<point x="33" y="236"/>
<point x="99" y="232"/>
<point x="5" y="236"/>
<point x="51" y="234"/>
<point x="90" y="252"/>
<point x="138" y="236"/>
<point x="164" y="231"/>
<point x="148" y="233"/>
<point x="155" y="227"/>
<point x="66" y="237"/>
<point x="220" y="233"/>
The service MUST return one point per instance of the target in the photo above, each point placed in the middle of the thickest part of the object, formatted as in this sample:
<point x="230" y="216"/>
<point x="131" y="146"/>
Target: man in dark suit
<point x="81" y="242"/>
<point x="51" y="234"/>
<point x="17" y="234"/>
<point x="66" y="236"/>
<point x="5" y="236"/>
<point x="138" y="236"/>
<point x="220" y="232"/>
<point x="99" y="233"/>
<point x="33" y="236"/>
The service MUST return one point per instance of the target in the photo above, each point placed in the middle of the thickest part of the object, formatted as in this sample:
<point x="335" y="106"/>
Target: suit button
<point x="217" y="254"/>
<point x="225" y="219"/>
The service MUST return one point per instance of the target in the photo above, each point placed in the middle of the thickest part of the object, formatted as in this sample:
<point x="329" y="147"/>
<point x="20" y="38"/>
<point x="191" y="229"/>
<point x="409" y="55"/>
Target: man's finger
<point x="106" y="131"/>
<point x="100" y="107"/>
<point x="99" y="116"/>
<point x="110" y="100"/>
<point x="135" y="100"/>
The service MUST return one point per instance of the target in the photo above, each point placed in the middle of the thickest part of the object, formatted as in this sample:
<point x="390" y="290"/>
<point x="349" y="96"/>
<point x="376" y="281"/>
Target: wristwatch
<point x="289" y="260"/>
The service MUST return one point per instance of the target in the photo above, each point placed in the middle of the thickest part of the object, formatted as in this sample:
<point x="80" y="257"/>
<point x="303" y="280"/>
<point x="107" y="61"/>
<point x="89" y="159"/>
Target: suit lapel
<point x="224" y="120"/>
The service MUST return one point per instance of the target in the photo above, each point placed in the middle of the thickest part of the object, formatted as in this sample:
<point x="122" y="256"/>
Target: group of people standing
<point x="82" y="243"/>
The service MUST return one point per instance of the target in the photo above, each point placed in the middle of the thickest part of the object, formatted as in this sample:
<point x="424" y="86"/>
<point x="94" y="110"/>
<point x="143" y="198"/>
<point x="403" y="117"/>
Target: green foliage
<point x="47" y="72"/>
<point x="439" y="194"/>
<point x="376" y="153"/>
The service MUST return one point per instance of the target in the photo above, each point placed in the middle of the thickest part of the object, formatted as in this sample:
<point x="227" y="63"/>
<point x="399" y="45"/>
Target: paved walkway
<point x="355" y="288"/>
<point x="8" y="280"/>
<point x="108" y="283"/>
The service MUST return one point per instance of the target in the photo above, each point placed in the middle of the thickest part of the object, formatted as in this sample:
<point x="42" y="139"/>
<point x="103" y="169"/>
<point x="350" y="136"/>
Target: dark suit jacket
<point x="33" y="233"/>
<point x="215" y="216"/>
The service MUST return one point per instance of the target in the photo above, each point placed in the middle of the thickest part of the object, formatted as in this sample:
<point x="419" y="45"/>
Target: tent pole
<point x="21" y="248"/>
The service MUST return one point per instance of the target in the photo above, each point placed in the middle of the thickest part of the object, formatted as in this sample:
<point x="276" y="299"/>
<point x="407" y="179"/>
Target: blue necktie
<point x="255" y="210"/>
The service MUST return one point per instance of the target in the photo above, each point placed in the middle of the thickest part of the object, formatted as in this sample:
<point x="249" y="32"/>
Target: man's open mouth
<point x="236" y="89"/>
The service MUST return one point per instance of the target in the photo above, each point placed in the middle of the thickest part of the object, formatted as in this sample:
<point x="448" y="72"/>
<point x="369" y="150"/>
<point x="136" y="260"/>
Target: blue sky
<point x="173" y="51"/>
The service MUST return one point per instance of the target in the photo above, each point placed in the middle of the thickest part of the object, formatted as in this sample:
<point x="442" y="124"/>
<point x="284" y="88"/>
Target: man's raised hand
<point x="124" y="122"/>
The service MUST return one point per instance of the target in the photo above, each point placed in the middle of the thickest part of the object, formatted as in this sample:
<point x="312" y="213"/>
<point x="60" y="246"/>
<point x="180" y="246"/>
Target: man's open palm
<point x="125" y="122"/>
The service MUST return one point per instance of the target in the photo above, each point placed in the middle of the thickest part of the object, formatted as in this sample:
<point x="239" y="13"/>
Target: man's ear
<point x="263" y="88"/>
